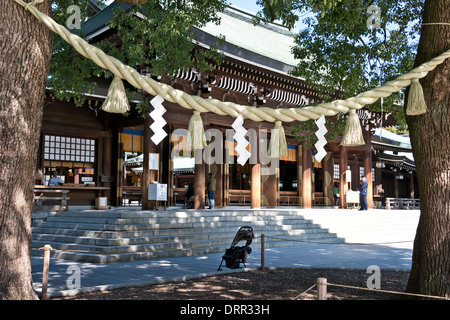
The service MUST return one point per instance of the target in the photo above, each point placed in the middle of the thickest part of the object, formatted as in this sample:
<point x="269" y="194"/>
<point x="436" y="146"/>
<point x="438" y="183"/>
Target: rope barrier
<point x="373" y="290"/>
<point x="345" y="243"/>
<point x="387" y="291"/>
<point x="353" y="287"/>
<point x="298" y="296"/>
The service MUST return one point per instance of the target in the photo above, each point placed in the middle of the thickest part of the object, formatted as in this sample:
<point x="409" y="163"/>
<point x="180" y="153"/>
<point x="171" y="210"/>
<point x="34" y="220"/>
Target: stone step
<point x="91" y="239"/>
<point x="121" y="234"/>
<point x="43" y="228"/>
<point x="135" y="240"/>
<point x="132" y="256"/>
<point x="175" y="221"/>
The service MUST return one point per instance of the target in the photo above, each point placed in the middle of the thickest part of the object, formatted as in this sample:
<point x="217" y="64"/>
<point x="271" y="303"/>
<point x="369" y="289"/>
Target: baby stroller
<point x="236" y="255"/>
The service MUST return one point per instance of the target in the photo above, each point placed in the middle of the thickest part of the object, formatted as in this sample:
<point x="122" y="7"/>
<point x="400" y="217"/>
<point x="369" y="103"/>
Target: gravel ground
<point x="270" y="284"/>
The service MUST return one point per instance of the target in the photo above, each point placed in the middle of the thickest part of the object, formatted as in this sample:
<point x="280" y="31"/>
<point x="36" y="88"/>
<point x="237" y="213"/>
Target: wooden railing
<point x="402" y="203"/>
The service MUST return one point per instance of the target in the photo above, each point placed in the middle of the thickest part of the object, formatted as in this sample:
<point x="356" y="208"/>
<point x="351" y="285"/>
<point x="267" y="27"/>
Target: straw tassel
<point x="416" y="100"/>
<point x="353" y="135"/>
<point x="277" y="145"/>
<point x="196" y="138"/>
<point x="116" y="101"/>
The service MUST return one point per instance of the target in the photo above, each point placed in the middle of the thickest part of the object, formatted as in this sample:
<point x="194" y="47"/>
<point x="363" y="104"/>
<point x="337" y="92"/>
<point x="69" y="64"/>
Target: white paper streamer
<point x="321" y="153"/>
<point x="242" y="143"/>
<point x="159" y="122"/>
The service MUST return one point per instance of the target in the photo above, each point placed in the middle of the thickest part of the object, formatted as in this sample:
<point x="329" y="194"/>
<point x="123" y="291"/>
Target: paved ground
<point x="69" y="277"/>
<point x="63" y="275"/>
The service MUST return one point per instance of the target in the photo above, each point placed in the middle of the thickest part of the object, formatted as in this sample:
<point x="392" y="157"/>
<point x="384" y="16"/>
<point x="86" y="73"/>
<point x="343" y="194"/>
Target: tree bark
<point x="25" y="53"/>
<point x="430" y="139"/>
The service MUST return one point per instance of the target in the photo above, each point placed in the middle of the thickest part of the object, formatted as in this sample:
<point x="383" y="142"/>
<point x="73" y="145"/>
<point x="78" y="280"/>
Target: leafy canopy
<point x="340" y="50"/>
<point x="155" y="34"/>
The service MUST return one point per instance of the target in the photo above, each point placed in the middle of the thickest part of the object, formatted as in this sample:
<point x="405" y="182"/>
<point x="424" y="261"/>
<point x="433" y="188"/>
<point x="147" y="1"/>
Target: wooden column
<point x="270" y="189"/>
<point x="199" y="180"/>
<point x="255" y="179"/>
<point x="106" y="177"/>
<point x="148" y="176"/>
<point x="343" y="163"/>
<point x="218" y="194"/>
<point x="411" y="185"/>
<point x="299" y="173"/>
<point x="378" y="182"/>
<point x="219" y="198"/>
<point x="256" y="186"/>
<point x="306" y="178"/>
<point x="368" y="168"/>
<point x="395" y="185"/>
<point x="368" y="174"/>
<point x="119" y="169"/>
<point x="328" y="174"/>
<point x="356" y="176"/>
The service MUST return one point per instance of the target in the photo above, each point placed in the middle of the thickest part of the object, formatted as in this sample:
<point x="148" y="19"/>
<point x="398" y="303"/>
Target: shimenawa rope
<point x="416" y="104"/>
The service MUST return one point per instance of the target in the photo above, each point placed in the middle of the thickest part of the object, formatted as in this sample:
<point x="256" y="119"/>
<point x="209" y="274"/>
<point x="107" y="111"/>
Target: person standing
<point x="336" y="196"/>
<point x="363" y="194"/>
<point x="211" y="187"/>
<point x="190" y="196"/>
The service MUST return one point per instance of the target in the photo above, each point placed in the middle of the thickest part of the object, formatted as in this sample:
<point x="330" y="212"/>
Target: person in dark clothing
<point x="211" y="187"/>
<point x="190" y="196"/>
<point x="363" y="194"/>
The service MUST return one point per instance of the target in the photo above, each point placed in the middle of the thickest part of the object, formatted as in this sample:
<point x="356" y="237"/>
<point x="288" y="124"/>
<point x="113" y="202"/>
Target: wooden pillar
<point x="199" y="180"/>
<point x="395" y="185"/>
<point x="148" y="176"/>
<point x="219" y="194"/>
<point x="307" y="178"/>
<point x="256" y="186"/>
<point x="411" y="185"/>
<point x="255" y="179"/>
<point x="356" y="176"/>
<point x="343" y="163"/>
<point x="106" y="177"/>
<point x="119" y="169"/>
<point x="378" y="182"/>
<point x="368" y="167"/>
<point x="368" y="174"/>
<point x="299" y="173"/>
<point x="328" y="174"/>
<point x="270" y="189"/>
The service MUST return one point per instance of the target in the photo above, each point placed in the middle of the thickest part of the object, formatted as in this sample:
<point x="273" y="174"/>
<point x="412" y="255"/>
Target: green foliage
<point x="161" y="35"/>
<point x="304" y="131"/>
<point x="339" y="52"/>
<point x="157" y="34"/>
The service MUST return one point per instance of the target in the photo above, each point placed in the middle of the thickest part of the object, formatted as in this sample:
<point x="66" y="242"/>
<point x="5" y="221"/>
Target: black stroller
<point x="238" y="254"/>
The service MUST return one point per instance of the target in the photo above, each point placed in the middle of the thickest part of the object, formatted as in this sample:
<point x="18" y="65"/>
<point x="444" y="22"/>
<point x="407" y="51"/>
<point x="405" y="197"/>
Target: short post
<point x="321" y="288"/>
<point x="47" y="248"/>
<point x="262" y="251"/>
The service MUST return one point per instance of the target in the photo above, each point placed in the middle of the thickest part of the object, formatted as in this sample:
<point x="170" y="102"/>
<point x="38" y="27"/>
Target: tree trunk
<point x="430" y="138"/>
<point x="25" y="53"/>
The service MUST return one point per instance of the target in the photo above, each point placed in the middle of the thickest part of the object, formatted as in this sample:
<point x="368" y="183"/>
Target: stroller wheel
<point x="249" y="250"/>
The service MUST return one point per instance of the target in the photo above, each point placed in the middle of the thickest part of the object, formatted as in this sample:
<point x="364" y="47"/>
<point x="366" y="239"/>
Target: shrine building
<point x="99" y="154"/>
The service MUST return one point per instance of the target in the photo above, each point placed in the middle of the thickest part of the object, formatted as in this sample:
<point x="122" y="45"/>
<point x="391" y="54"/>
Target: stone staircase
<point x="126" y="234"/>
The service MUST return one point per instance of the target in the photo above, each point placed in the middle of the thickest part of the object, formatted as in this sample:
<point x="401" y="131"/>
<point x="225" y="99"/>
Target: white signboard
<point x="352" y="196"/>
<point x="153" y="161"/>
<point x="157" y="191"/>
